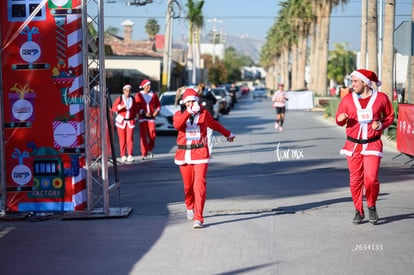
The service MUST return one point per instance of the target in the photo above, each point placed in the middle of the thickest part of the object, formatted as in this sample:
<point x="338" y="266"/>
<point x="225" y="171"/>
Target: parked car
<point x="216" y="107"/>
<point x="223" y="99"/>
<point x="164" y="121"/>
<point x="233" y="90"/>
<point x="259" y="92"/>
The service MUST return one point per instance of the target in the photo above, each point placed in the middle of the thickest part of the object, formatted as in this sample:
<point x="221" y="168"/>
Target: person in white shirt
<point x="279" y="98"/>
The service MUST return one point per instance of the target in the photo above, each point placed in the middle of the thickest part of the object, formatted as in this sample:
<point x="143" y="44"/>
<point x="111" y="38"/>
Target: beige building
<point x="129" y="61"/>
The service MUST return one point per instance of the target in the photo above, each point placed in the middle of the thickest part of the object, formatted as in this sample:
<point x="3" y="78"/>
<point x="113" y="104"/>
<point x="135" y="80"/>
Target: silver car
<point x="259" y="92"/>
<point x="223" y="99"/>
<point x="164" y="120"/>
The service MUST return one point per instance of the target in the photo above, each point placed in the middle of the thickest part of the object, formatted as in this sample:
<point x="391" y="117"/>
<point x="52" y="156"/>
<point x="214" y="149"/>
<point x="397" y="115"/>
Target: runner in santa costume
<point x="125" y="108"/>
<point x="366" y="113"/>
<point x="192" y="154"/>
<point x="148" y="108"/>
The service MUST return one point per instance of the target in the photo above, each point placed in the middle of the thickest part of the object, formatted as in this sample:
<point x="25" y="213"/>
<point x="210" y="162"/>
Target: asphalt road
<point x="277" y="203"/>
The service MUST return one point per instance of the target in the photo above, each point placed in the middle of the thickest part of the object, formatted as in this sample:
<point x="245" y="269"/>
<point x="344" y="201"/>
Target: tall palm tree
<point x="388" y="54"/>
<point x="324" y="9"/>
<point x="372" y="36"/>
<point x="196" y="22"/>
<point x="364" y="23"/>
<point x="300" y="12"/>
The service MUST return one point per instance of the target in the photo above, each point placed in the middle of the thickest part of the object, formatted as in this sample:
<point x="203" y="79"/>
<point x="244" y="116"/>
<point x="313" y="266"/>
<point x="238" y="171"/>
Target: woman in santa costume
<point x="366" y="113"/>
<point x="148" y="108"/>
<point x="192" y="154"/>
<point x="125" y="108"/>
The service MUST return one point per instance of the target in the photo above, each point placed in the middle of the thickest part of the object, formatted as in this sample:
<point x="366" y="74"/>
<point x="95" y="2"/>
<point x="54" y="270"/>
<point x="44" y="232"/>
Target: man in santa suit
<point x="192" y="154"/>
<point x="125" y="108"/>
<point x="366" y="113"/>
<point x="148" y="107"/>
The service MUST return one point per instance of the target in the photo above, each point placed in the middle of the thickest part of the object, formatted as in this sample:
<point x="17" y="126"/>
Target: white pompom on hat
<point x="126" y="86"/>
<point x="144" y="83"/>
<point x="190" y="95"/>
<point x="366" y="76"/>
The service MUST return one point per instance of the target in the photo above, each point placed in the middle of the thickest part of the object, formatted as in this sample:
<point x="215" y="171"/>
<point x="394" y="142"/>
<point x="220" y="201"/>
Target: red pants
<point x="363" y="171"/>
<point x="194" y="178"/>
<point x="126" y="140"/>
<point x="148" y="134"/>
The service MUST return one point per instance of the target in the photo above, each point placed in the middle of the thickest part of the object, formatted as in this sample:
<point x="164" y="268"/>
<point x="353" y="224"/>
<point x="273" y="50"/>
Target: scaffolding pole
<point x="97" y="117"/>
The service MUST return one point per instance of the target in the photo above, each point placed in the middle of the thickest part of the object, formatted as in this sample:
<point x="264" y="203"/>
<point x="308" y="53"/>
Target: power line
<point x="237" y="16"/>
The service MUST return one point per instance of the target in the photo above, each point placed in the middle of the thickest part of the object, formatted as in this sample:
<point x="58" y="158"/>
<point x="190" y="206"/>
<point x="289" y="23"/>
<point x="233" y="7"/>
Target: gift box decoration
<point x="66" y="132"/>
<point x="22" y="103"/>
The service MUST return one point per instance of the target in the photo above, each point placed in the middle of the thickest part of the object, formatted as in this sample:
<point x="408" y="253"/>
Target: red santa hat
<point x="126" y="86"/>
<point x="144" y="83"/>
<point x="366" y="76"/>
<point x="189" y="95"/>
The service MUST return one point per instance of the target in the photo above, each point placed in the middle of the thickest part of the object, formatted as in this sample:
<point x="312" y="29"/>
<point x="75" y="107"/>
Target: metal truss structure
<point x="97" y="120"/>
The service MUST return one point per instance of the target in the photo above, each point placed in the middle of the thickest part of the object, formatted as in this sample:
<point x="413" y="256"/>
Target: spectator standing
<point x="207" y="101"/>
<point x="233" y="92"/>
<point x="366" y="113"/>
<point x="125" y="108"/>
<point x="148" y="107"/>
<point x="192" y="155"/>
<point x="344" y="91"/>
<point x="279" y="98"/>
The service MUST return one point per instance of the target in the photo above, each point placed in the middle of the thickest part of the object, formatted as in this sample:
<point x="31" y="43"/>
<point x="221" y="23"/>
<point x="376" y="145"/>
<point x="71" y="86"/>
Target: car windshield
<point x="167" y="100"/>
<point x="219" y="93"/>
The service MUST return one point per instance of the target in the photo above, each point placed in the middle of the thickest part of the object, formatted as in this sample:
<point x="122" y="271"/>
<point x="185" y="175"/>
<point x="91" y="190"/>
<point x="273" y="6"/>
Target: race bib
<point x="365" y="116"/>
<point x="192" y="133"/>
<point x="119" y="118"/>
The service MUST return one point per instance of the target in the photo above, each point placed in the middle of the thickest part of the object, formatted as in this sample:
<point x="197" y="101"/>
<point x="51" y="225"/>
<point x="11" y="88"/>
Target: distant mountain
<point x="243" y="44"/>
<point x="246" y="46"/>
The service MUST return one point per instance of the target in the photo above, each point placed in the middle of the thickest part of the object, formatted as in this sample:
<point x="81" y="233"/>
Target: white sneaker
<point x="281" y="129"/>
<point x="197" y="224"/>
<point x="276" y="125"/>
<point x="124" y="159"/>
<point x="130" y="159"/>
<point x="190" y="214"/>
<point x="150" y="155"/>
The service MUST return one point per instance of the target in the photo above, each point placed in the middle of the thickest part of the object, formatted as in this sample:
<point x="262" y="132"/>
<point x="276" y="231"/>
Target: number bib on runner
<point x="192" y="133"/>
<point x="365" y="116"/>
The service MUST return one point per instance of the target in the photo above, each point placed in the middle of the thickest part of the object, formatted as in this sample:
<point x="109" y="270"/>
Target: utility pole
<point x="214" y="32"/>
<point x="166" y="71"/>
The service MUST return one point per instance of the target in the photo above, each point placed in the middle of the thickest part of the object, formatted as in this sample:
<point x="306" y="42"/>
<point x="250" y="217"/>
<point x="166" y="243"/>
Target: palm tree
<point x="363" y="50"/>
<point x="196" y="21"/>
<point x="372" y="36"/>
<point x="300" y="12"/>
<point x="323" y="10"/>
<point x="388" y="54"/>
<point x="152" y="28"/>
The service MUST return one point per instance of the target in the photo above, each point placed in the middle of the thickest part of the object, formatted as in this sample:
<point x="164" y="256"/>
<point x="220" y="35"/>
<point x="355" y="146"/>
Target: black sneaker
<point x="358" y="218"/>
<point x="372" y="213"/>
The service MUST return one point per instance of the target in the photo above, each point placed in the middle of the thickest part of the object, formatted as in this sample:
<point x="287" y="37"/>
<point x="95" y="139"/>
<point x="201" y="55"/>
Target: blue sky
<point x="241" y="17"/>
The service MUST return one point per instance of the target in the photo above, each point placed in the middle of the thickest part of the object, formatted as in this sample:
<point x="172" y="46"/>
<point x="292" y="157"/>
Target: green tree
<point x="112" y="30"/>
<point x="232" y="64"/>
<point x="152" y="28"/>
<point x="341" y="63"/>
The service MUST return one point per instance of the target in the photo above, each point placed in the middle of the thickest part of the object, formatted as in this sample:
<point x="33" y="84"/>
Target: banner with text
<point x="43" y="114"/>
<point x="405" y="129"/>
